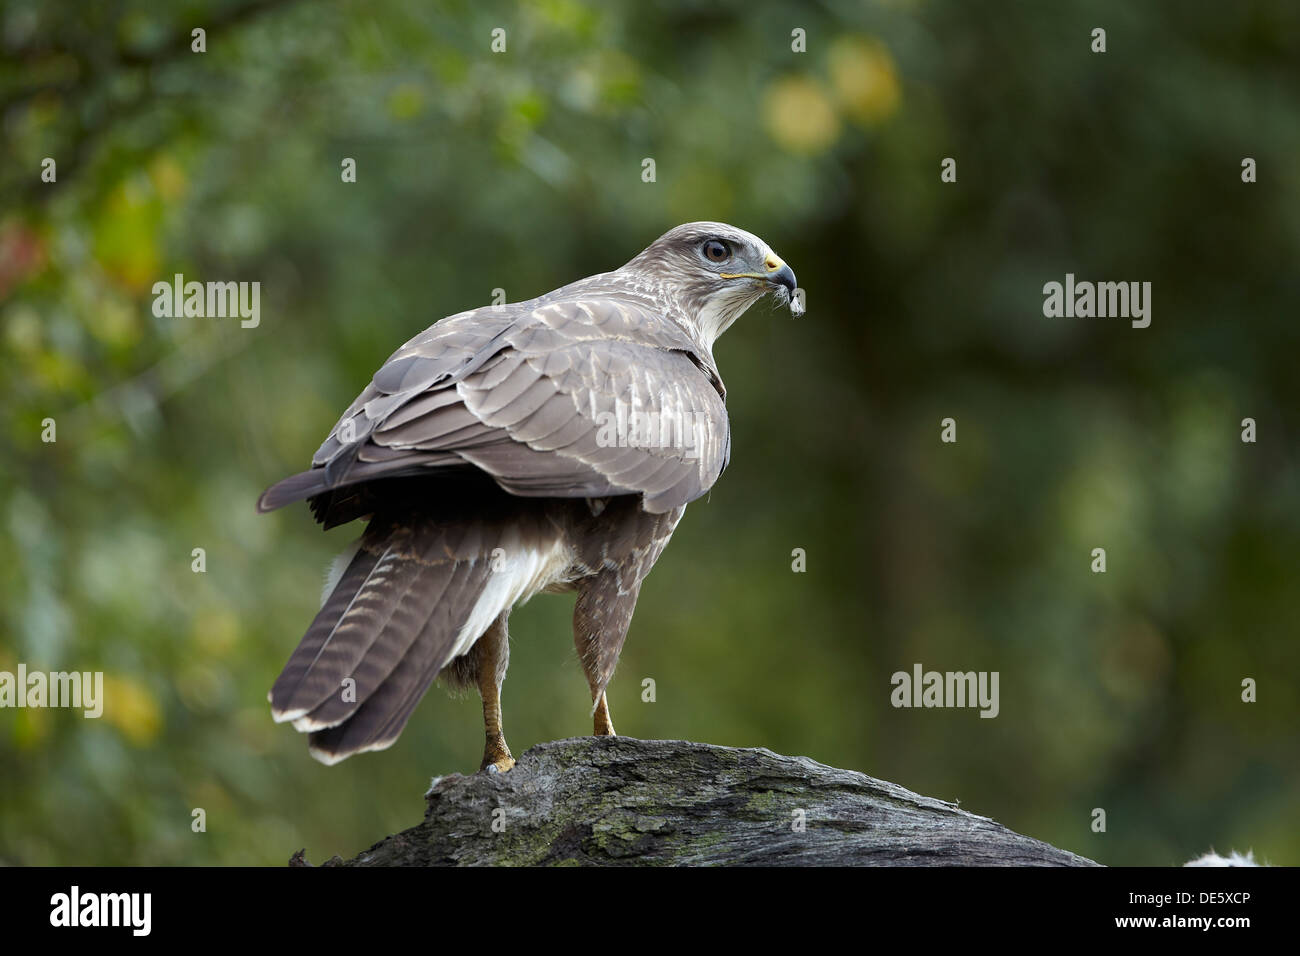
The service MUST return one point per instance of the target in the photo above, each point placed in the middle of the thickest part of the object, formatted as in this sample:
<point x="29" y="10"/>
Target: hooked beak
<point x="784" y="276"/>
<point x="777" y="272"/>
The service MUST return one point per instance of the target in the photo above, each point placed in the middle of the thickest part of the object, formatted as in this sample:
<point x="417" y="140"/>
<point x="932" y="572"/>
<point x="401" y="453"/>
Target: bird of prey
<point x="547" y="445"/>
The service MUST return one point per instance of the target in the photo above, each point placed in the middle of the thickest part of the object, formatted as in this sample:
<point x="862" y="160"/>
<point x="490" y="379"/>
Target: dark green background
<point x="522" y="171"/>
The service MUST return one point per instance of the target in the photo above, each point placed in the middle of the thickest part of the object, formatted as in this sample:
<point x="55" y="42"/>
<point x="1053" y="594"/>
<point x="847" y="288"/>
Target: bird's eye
<point x="715" y="250"/>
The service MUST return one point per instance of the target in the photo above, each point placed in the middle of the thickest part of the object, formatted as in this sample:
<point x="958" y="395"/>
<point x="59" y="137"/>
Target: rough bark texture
<point x="620" y="801"/>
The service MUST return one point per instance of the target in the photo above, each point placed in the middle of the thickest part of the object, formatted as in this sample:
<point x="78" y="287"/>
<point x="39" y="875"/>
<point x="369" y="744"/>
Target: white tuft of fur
<point x="517" y="573"/>
<point x="1232" y="859"/>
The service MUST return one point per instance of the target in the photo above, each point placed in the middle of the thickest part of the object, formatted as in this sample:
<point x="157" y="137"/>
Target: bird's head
<point x="716" y="272"/>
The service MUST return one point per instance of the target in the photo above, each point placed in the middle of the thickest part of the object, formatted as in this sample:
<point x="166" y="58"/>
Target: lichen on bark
<point x="621" y="801"/>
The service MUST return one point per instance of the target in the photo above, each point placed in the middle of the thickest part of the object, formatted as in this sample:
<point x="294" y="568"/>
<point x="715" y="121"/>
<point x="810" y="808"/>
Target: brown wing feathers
<point x="381" y="716"/>
<point x="524" y="404"/>
<point x="390" y="625"/>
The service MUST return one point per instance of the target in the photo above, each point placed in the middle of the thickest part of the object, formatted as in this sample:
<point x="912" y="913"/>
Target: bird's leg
<point x="600" y="619"/>
<point x="492" y="651"/>
<point x="588" y="644"/>
<point x="602" y="725"/>
<point x="607" y="598"/>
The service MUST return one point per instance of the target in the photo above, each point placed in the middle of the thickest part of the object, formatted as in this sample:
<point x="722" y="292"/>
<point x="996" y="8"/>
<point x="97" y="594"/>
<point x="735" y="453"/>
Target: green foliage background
<point x="522" y="170"/>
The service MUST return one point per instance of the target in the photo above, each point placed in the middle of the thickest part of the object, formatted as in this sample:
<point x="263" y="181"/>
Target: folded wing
<point x="580" y="397"/>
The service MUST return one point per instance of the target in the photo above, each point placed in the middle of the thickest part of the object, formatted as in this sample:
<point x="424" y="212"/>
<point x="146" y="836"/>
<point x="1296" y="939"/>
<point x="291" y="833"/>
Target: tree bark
<point x="620" y="801"/>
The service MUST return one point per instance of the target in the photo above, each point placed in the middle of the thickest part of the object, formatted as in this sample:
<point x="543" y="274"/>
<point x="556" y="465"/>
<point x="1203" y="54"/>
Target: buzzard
<point x="548" y="445"/>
